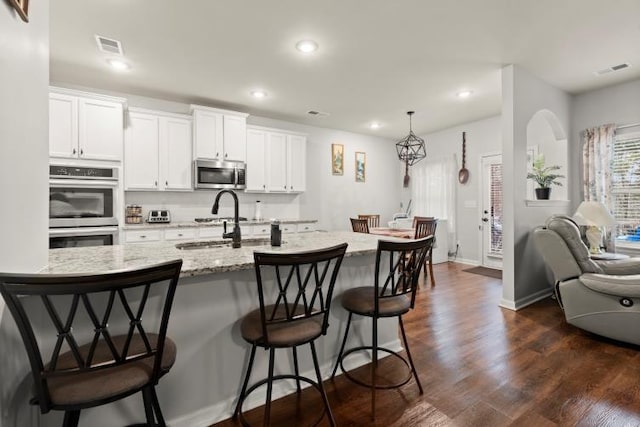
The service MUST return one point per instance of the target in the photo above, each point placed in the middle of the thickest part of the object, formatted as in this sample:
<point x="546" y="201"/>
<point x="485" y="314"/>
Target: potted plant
<point x="544" y="176"/>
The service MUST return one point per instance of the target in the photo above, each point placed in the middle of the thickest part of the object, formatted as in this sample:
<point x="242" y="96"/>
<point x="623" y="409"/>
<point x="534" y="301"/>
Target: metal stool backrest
<point x="398" y="267"/>
<point x="373" y="220"/>
<point x="304" y="283"/>
<point x="64" y="298"/>
<point x="424" y="227"/>
<point x="359" y="225"/>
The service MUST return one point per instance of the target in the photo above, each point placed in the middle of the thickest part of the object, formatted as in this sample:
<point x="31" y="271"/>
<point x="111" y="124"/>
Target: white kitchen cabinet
<point x="175" y="153"/>
<point x="296" y="163"/>
<point x="276" y="161"/>
<point x="180" y="233"/>
<point x="140" y="236"/>
<point x="157" y="151"/>
<point x="85" y="126"/>
<point x="256" y="149"/>
<point x="141" y="161"/>
<point x="306" y="227"/>
<point x="219" y="134"/>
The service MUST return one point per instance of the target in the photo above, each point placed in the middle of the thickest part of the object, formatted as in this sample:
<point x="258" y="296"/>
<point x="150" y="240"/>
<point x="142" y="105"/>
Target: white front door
<point x="491" y="211"/>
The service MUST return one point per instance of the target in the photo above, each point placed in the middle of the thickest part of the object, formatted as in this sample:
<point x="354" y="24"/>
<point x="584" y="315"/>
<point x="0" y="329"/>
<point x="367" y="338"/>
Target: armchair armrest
<point x="622" y="267"/>
<point x="617" y="285"/>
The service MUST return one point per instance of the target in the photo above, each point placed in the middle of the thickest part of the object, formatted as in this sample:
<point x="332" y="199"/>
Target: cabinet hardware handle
<point x="226" y="154"/>
<point x="179" y="234"/>
<point x="166" y="183"/>
<point x="217" y="154"/>
<point x="285" y="187"/>
<point x="264" y="186"/>
<point x="155" y="183"/>
<point x="143" y="236"/>
<point x="74" y="151"/>
<point x="292" y="187"/>
<point x="81" y="151"/>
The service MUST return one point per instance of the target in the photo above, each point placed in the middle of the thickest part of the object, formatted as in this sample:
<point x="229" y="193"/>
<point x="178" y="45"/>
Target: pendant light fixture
<point x="410" y="150"/>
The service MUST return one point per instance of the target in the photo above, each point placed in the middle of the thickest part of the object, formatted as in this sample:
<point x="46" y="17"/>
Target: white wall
<point x="483" y="136"/>
<point x="524" y="274"/>
<point x="24" y="156"/>
<point x="618" y="104"/>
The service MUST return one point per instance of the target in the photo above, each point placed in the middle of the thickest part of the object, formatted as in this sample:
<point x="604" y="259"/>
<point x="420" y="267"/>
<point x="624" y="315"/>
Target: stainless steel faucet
<point x="235" y="234"/>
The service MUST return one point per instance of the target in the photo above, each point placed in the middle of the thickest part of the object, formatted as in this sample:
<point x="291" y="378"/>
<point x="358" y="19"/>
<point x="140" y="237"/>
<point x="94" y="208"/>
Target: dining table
<point x="405" y="233"/>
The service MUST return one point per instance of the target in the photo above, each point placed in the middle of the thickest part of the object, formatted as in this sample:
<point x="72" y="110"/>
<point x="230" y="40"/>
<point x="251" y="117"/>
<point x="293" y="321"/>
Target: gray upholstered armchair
<point x="602" y="297"/>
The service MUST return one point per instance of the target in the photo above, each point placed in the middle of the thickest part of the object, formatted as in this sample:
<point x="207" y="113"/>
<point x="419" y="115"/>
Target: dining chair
<point x="421" y="218"/>
<point x="426" y="226"/>
<point x="393" y="294"/>
<point x="373" y="220"/>
<point x="359" y="225"/>
<point x="295" y="291"/>
<point x="125" y="350"/>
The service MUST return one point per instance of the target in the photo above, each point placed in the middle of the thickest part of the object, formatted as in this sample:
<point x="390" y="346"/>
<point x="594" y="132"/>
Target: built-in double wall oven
<point x="83" y="206"/>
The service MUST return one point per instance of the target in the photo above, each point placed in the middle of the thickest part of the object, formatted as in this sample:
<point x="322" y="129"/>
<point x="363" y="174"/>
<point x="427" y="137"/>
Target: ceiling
<point x="376" y="60"/>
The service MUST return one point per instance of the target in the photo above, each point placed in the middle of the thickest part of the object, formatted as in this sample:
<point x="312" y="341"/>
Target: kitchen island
<point x="217" y="287"/>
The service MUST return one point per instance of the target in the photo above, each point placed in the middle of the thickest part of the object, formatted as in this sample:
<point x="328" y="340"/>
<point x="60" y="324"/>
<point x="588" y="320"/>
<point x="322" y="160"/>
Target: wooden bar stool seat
<point x="122" y="318"/>
<point x="294" y="292"/>
<point x="393" y="294"/>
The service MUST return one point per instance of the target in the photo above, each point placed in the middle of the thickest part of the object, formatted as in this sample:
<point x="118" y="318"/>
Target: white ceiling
<point x="377" y="58"/>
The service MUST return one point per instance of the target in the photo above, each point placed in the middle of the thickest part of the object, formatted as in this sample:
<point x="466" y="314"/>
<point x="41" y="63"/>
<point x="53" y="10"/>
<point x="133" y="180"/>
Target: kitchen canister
<point x="258" y="212"/>
<point x="276" y="234"/>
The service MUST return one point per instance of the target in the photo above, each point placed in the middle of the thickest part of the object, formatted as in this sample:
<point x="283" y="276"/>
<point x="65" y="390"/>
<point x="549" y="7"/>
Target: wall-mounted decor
<point x="463" y="174"/>
<point x="337" y="159"/>
<point x="22" y="7"/>
<point x="361" y="165"/>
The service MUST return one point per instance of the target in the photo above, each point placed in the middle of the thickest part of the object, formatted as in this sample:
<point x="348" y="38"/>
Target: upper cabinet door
<point x="141" y="152"/>
<point x="296" y="163"/>
<point x="256" y="144"/>
<point x="63" y="125"/>
<point x="175" y="153"/>
<point x="235" y="138"/>
<point x="208" y="135"/>
<point x="277" y="162"/>
<point x="100" y="130"/>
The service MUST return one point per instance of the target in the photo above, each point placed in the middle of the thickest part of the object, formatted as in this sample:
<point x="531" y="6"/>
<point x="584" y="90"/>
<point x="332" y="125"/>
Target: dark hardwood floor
<point x="481" y="365"/>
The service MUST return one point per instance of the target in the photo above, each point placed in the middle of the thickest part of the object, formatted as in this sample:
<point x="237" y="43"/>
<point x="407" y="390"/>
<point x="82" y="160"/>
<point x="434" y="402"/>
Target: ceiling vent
<point x="612" y="69"/>
<point x="318" y="114"/>
<point x="108" y="45"/>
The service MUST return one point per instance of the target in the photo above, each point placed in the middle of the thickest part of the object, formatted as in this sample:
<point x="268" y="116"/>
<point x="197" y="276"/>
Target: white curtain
<point x="597" y="153"/>
<point x="433" y="191"/>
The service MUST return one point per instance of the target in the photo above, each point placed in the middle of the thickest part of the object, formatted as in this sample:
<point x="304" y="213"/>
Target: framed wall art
<point x="337" y="159"/>
<point x="361" y="166"/>
<point x="22" y="7"/>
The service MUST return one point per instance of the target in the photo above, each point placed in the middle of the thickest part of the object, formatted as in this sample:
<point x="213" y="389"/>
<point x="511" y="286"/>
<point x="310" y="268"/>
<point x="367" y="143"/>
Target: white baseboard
<point x="528" y="300"/>
<point x="222" y="410"/>
<point x="465" y="261"/>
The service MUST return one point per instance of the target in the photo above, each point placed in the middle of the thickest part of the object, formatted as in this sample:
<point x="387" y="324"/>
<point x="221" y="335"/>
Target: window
<point x="625" y="183"/>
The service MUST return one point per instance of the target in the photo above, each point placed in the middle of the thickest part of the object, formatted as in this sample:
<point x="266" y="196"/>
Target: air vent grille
<point x="612" y="69"/>
<point x="108" y="45"/>
<point x="315" y="113"/>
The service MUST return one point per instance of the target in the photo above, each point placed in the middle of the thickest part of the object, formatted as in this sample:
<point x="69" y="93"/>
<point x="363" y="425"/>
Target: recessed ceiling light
<point x="259" y="93"/>
<point x="375" y="125"/>
<point x="118" y="64"/>
<point x="307" y="46"/>
<point x="464" y="94"/>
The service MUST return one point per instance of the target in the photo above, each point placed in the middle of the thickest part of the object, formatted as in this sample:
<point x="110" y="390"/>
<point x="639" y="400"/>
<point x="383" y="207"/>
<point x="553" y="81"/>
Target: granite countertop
<point x="193" y="224"/>
<point x="196" y="262"/>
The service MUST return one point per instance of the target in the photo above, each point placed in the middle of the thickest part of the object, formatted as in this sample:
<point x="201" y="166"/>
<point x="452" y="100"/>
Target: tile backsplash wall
<point x="197" y="204"/>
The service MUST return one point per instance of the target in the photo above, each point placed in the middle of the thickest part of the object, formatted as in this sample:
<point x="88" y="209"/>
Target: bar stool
<point x="359" y="225"/>
<point x="393" y="294"/>
<point x="127" y="352"/>
<point x="426" y="226"/>
<point x="372" y="220"/>
<point x="299" y="315"/>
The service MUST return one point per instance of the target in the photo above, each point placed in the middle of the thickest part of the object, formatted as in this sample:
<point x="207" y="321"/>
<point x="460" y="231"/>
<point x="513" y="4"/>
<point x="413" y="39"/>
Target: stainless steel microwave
<point x="212" y="174"/>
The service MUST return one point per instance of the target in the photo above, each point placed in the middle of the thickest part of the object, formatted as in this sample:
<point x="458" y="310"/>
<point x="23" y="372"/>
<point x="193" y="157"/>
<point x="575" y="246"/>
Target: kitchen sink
<point x="222" y="244"/>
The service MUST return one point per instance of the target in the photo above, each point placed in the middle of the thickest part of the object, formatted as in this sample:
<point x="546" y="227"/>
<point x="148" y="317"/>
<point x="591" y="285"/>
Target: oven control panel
<point x="159" y="215"/>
